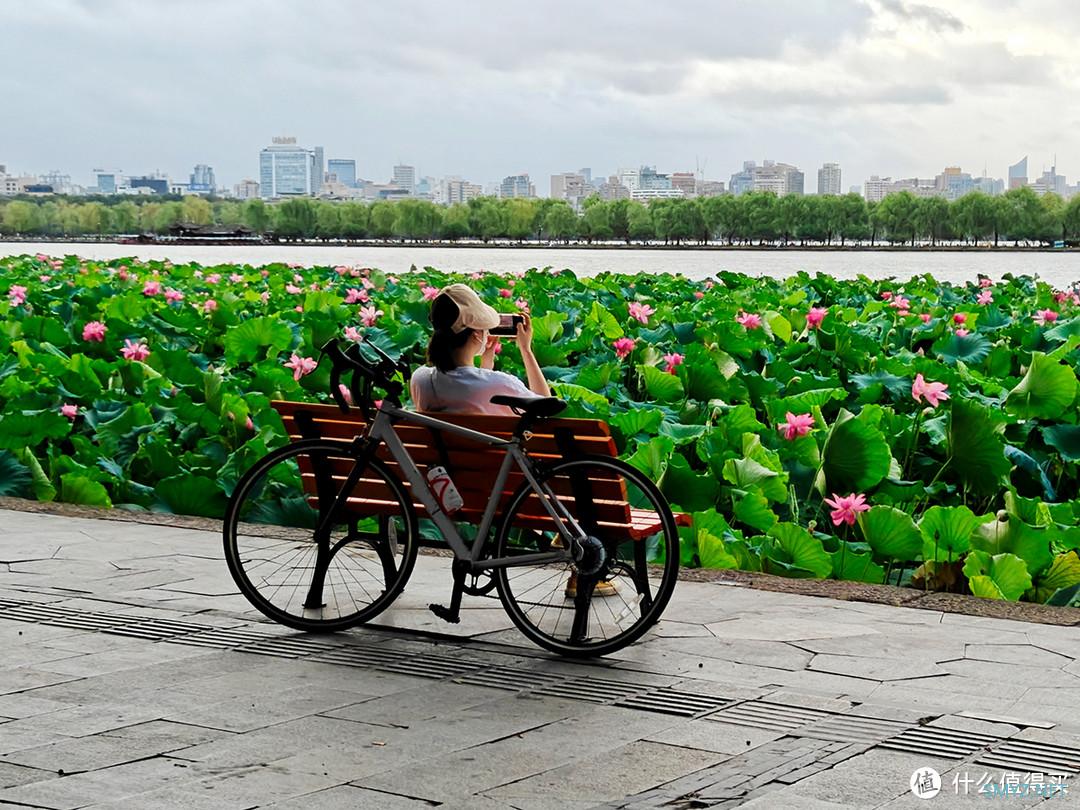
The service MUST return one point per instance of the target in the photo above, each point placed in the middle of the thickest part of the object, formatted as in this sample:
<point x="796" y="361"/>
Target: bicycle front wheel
<point x="309" y="565"/>
<point x="612" y="596"/>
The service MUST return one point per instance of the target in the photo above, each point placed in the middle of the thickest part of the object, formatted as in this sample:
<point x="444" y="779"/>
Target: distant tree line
<point x="753" y="218"/>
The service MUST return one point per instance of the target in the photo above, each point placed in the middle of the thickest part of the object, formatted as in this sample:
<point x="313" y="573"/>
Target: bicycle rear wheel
<point x="614" y="597"/>
<point x="310" y="574"/>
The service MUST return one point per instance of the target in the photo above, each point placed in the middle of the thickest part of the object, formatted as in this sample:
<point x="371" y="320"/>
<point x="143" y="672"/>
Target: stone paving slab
<point x="137" y="723"/>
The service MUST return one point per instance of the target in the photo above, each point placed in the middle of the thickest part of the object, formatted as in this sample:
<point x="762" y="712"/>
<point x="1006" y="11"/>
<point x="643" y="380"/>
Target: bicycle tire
<point x="271" y="498"/>
<point x="641" y="590"/>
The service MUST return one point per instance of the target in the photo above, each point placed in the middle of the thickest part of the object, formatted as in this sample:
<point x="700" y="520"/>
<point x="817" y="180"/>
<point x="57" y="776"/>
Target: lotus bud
<point x="1002" y="516"/>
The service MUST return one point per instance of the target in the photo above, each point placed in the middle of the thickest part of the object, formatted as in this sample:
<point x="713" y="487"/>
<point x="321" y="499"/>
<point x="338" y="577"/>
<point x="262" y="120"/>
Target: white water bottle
<point x="444" y="490"/>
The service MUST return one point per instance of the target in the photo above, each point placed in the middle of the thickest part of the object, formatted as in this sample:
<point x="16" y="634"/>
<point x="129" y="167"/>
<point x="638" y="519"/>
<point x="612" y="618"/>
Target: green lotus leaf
<point x="752" y="508"/>
<point x="1012" y="535"/>
<point x="748" y="473"/>
<point x="31" y="428"/>
<point x="953" y="348"/>
<point x="652" y="457"/>
<point x="947" y="530"/>
<point x="855" y="457"/>
<point x="256" y="339"/>
<point x="682" y="434"/>
<point x="804" y="402"/>
<point x="189" y="494"/>
<point x="637" y="423"/>
<point x="16" y="479"/>
<point x="1064" y="438"/>
<point x="77" y="488"/>
<point x="976" y="449"/>
<point x="687" y="490"/>
<point x="856" y="566"/>
<point x="891" y="533"/>
<point x="661" y="386"/>
<point x="602" y="321"/>
<point x="713" y="552"/>
<point x="792" y="551"/>
<point x="1047" y="390"/>
<point x="1001" y="576"/>
<point x="1063" y="573"/>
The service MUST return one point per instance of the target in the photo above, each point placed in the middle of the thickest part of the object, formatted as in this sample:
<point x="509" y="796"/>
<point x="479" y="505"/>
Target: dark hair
<point x="444" y="340"/>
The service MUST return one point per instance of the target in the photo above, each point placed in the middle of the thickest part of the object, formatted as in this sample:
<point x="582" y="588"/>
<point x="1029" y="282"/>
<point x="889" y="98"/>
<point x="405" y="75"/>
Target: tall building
<point x="828" y="178"/>
<point x="107" y="181"/>
<point x="154" y="184"/>
<point x="988" y="185"/>
<point x="517" y="185"/>
<point x="953" y="184"/>
<point x="569" y="186"/>
<point x="710" y="188"/>
<point x="612" y="189"/>
<point x="288" y="170"/>
<point x="649" y="179"/>
<point x="631" y="178"/>
<point x="202" y="180"/>
<point x="318" y="171"/>
<point x="1050" y="183"/>
<point x="405" y="177"/>
<point x="246" y="189"/>
<point x="743" y="181"/>
<point x="779" y="178"/>
<point x="455" y="190"/>
<point x="587" y="175"/>
<point x="341" y="171"/>
<point x="876" y="188"/>
<point x="1018" y="175"/>
<point x="685" y="182"/>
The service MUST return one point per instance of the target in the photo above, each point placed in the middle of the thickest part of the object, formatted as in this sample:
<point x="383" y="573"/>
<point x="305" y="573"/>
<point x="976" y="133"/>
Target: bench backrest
<point x="473" y="466"/>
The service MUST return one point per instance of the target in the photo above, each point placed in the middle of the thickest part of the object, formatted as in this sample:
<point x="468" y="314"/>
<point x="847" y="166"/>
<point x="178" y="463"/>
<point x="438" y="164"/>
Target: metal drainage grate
<point x="852" y="728"/>
<point x="289" y="647"/>
<point x="423" y="666"/>
<point x="157" y="629"/>
<point x="1033" y="756"/>
<point x="38" y="613"/>
<point x="947" y="743"/>
<point x="770" y="716"/>
<point x="593" y="690"/>
<point x="672" y="701"/>
<point x="511" y="679"/>
<point x="223" y="638"/>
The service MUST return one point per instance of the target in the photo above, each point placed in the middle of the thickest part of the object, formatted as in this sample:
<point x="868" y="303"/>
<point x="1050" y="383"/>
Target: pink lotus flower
<point x="341" y="269"/>
<point x="94" y="331"/>
<point x="299" y="279"/>
<point x="213" y="278"/>
<point x="346" y="394"/>
<point x="264" y="273"/>
<point x="44" y="279"/>
<point x="641" y="311"/>
<point x="1045" y="316"/>
<point x="17" y="295"/>
<point x="498" y="347"/>
<point x="984" y="298"/>
<point x="172" y="295"/>
<point x="354" y="296"/>
<point x="846" y="508"/>
<point x="933" y="391"/>
<point x="236" y="278"/>
<point x="430" y="293"/>
<point x="292" y="289"/>
<point x="748" y="319"/>
<point x="353" y="334"/>
<point x="366" y="282"/>
<point x="511" y="282"/>
<point x="505" y="292"/>
<point x="623" y="347"/>
<point x="209" y="305"/>
<point x="198" y="274"/>
<point x="796" y="425"/>
<point x="249" y="424"/>
<point x="368" y="315"/>
<point x="123" y="274"/>
<point x="962" y="333"/>
<point x="476" y="276"/>
<point x="70" y="411"/>
<point x="672" y="360"/>
<point x="698" y="294"/>
<point x="298" y="308"/>
<point x="709" y="284"/>
<point x="392" y="279"/>
<point x="815" y="316"/>
<point x="985" y="282"/>
<point x="886" y="295"/>
<point x="265" y="296"/>
<point x="521" y="303"/>
<point x="41" y="257"/>
<point x="959" y="318"/>
<point x="301" y="365"/>
<point x="925" y="317"/>
<point x="135" y="350"/>
<point x="899" y="302"/>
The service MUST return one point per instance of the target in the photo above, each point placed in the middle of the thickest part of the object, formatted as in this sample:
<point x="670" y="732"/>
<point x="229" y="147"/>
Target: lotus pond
<point x="912" y="432"/>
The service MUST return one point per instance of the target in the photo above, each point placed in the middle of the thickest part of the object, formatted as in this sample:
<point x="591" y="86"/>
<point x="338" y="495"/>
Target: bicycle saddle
<point x="533" y="408"/>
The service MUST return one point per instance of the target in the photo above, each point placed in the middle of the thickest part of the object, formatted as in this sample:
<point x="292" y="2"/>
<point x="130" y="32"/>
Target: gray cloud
<point x="937" y="19"/>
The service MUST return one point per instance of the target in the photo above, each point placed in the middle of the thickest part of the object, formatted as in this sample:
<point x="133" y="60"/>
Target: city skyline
<point x="881" y="87"/>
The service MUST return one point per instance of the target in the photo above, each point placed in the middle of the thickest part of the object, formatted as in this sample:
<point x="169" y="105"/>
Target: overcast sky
<point x="485" y="89"/>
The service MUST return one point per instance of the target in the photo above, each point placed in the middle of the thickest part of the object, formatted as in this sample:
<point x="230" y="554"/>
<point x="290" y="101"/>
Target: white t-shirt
<point x="465" y="389"/>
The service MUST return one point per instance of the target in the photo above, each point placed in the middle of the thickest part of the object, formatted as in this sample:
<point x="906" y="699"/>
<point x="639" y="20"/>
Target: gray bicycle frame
<point x="382" y="430"/>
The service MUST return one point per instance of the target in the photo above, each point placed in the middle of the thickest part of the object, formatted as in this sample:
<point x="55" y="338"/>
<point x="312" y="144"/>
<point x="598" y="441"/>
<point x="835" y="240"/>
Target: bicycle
<point x="322" y="534"/>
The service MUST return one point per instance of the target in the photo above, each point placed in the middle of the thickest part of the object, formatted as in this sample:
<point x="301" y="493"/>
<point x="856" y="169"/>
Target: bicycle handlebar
<point x="365" y="374"/>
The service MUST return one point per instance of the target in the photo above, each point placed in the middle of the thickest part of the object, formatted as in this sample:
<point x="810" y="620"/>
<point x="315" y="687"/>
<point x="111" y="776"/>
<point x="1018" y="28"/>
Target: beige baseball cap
<point x="472" y="312"/>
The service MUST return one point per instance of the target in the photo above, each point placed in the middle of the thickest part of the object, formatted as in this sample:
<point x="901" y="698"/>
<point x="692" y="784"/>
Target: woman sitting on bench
<point x="453" y="383"/>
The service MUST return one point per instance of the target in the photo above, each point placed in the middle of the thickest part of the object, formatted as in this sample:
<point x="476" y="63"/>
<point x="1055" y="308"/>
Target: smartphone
<point x="508" y="325"/>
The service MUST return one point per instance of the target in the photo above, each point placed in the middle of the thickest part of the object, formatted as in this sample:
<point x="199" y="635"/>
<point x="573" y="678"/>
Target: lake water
<point x="1058" y="268"/>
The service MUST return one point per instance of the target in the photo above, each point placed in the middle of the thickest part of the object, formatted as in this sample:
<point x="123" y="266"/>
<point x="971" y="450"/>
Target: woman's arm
<point x="537" y="383"/>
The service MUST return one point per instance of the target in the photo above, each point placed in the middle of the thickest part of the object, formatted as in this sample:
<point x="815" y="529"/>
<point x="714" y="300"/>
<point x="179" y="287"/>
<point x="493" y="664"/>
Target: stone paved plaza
<point x="134" y="676"/>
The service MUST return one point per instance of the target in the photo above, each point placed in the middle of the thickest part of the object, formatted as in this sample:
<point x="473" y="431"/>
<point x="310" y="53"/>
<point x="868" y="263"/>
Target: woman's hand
<point x="525" y="332"/>
<point x="487" y="356"/>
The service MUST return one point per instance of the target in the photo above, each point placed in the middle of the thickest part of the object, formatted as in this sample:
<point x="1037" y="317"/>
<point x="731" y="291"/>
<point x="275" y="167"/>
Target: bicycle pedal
<point x="445" y="613"/>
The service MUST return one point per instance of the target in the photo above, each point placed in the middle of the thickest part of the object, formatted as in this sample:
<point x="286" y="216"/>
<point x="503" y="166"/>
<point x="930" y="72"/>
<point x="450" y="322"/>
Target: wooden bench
<point x="473" y="466"/>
